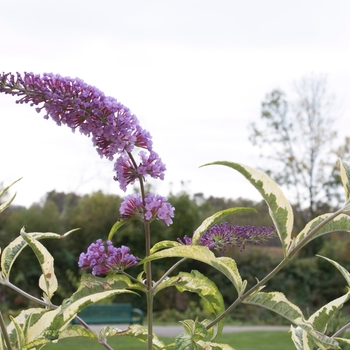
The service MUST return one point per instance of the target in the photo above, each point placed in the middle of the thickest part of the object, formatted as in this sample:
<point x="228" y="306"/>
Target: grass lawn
<point x="239" y="341"/>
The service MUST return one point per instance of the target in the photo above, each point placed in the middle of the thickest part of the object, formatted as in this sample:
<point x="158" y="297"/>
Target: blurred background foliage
<point x="308" y="281"/>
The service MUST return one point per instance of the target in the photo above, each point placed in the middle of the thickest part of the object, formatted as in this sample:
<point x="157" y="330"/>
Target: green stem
<point x="168" y="272"/>
<point x="149" y="292"/>
<point x="4" y="332"/>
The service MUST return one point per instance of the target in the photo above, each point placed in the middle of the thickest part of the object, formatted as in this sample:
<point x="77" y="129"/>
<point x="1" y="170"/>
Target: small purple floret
<point x="103" y="258"/>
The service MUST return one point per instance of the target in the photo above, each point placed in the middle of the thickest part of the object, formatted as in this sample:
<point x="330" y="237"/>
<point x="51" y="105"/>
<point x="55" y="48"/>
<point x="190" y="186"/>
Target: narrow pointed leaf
<point x="225" y="265"/>
<point x="323" y="315"/>
<point x="212" y="220"/>
<point x="277" y="302"/>
<point x="299" y="338"/>
<point x="115" y="228"/>
<point x="280" y="209"/>
<point x="48" y="281"/>
<point x="345" y="177"/>
<point x="11" y="252"/>
<point x="5" y="205"/>
<point x="341" y="269"/>
<point x="339" y="223"/>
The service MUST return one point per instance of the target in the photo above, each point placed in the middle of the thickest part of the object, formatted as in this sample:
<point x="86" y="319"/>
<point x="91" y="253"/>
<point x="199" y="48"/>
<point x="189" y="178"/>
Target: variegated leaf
<point x="298" y="339"/>
<point x="11" y="252"/>
<point x="225" y="265"/>
<point x="196" y="282"/>
<point x="280" y="209"/>
<point x="339" y="223"/>
<point x="48" y="281"/>
<point x="277" y="302"/>
<point x="322" y="316"/>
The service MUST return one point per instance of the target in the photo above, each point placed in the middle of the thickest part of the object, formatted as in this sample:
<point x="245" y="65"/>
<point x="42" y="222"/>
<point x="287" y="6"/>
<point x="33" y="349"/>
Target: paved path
<point x="174" y="330"/>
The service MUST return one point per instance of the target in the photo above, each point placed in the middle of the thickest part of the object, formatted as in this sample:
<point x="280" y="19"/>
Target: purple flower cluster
<point x="154" y="207"/>
<point x="104" y="257"/>
<point x="112" y="127"/>
<point x="221" y="236"/>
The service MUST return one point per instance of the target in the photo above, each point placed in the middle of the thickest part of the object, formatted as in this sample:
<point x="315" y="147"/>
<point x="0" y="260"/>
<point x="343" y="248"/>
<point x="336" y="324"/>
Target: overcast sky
<point x="194" y="72"/>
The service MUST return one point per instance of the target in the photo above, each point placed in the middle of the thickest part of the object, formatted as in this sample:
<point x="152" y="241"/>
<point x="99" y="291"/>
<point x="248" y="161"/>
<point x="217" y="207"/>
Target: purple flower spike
<point x="104" y="257"/>
<point x="112" y="127"/>
<point x="155" y="207"/>
<point x="221" y="236"/>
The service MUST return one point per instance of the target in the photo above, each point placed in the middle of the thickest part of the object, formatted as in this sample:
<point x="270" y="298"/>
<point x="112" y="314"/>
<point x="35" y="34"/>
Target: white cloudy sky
<point x="193" y="71"/>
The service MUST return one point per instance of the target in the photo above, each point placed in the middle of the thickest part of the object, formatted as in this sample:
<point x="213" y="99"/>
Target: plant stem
<point x="168" y="272"/>
<point x="149" y="293"/>
<point x="4" y="332"/>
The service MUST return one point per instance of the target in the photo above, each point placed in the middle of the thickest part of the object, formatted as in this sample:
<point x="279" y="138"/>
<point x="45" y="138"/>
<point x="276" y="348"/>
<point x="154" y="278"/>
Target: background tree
<point x="297" y="135"/>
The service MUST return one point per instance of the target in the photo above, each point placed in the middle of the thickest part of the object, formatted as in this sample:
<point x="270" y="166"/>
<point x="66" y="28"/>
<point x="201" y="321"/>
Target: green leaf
<point x="115" y="228"/>
<point x="196" y="282"/>
<point x="345" y="177"/>
<point x="5" y="205"/>
<point x="48" y="281"/>
<point x="341" y="269"/>
<point x="212" y="220"/>
<point x="339" y="223"/>
<point x="11" y="252"/>
<point x="225" y="265"/>
<point x="280" y="209"/>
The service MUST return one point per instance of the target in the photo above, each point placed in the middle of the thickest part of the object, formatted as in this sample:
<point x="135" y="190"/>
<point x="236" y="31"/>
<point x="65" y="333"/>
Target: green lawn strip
<point x="261" y="340"/>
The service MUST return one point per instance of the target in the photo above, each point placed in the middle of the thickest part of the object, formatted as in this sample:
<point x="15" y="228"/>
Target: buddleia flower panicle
<point x="154" y="207"/>
<point x="113" y="129"/>
<point x="103" y="257"/>
<point x="220" y="237"/>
